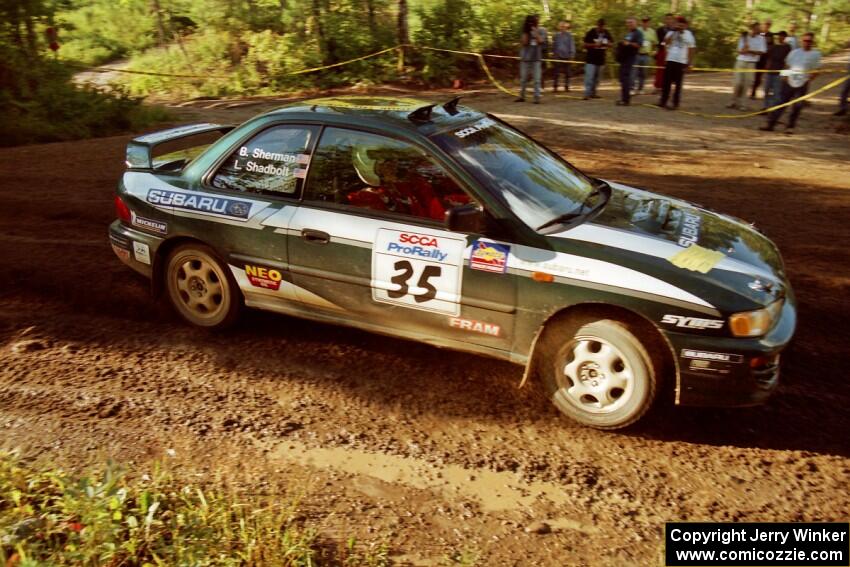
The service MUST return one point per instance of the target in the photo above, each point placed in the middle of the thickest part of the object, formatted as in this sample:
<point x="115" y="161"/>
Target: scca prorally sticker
<point x="712" y="356"/>
<point x="156" y="226"/>
<point x="201" y="203"/>
<point x="692" y="322"/>
<point x="482" y="124"/>
<point x="142" y="252"/>
<point x="261" y="276"/>
<point x="416" y="270"/>
<point x="475" y="326"/>
<point x="489" y="256"/>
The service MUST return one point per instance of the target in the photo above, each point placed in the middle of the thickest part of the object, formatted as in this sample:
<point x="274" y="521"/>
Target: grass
<point x="50" y="517"/>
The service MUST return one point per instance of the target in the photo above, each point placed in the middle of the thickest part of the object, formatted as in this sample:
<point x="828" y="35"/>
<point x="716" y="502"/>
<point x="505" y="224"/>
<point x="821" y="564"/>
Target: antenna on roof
<point x="421" y="114"/>
<point x="451" y="106"/>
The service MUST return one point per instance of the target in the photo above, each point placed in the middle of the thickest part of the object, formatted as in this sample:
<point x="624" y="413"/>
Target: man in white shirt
<point x="751" y="46"/>
<point x="680" y="46"/>
<point x="800" y="64"/>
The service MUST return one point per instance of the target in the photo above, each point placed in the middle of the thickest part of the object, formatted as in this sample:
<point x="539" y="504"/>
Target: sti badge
<point x="489" y="256"/>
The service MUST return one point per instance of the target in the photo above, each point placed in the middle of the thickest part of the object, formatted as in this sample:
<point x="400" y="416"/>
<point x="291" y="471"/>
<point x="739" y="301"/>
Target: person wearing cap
<point x="531" y="41"/>
<point x="800" y="64"/>
<point x="596" y="42"/>
<point x="751" y="46"/>
<point x="650" y="40"/>
<point x="680" y="47"/>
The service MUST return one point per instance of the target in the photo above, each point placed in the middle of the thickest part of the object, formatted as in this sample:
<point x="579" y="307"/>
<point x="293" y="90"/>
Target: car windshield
<point x="535" y="183"/>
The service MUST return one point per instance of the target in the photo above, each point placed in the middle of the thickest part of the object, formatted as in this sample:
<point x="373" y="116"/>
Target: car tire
<point x="598" y="372"/>
<point x="201" y="288"/>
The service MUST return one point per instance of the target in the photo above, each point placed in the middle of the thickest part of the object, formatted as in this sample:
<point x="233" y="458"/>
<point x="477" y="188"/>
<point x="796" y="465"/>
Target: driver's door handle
<point x="315" y="236"/>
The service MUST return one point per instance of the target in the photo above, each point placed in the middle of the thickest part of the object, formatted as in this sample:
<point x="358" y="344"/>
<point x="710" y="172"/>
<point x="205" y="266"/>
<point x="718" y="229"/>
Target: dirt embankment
<point x="436" y="453"/>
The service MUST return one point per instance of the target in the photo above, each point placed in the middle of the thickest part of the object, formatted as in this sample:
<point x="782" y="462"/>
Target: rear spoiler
<point x="140" y="150"/>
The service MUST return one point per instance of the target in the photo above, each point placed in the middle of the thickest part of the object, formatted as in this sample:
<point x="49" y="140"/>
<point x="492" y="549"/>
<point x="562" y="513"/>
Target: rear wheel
<point x="598" y="372"/>
<point x="200" y="287"/>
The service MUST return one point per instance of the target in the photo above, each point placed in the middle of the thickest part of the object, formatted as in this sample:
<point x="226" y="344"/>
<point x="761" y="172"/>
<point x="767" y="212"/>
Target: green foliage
<point x="50" y="517"/>
<point x="95" y="31"/>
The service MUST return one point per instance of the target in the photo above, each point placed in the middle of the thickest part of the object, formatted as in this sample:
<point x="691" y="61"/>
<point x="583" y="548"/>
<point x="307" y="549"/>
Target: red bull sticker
<point x="489" y="256"/>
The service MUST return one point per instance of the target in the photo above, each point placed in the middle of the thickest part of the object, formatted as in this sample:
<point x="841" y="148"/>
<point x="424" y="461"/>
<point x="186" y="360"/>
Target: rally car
<point x="442" y="224"/>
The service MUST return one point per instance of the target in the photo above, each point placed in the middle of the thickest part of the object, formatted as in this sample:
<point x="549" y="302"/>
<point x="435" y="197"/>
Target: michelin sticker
<point x="201" y="203"/>
<point x="156" y="226"/>
<point x="489" y="256"/>
<point x="142" y="252"/>
<point x="419" y="271"/>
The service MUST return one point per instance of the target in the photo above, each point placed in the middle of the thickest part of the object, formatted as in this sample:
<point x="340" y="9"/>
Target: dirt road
<point x="436" y="453"/>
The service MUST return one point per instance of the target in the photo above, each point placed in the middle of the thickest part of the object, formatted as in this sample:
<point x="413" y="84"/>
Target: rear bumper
<point x="135" y="248"/>
<point x="729" y="371"/>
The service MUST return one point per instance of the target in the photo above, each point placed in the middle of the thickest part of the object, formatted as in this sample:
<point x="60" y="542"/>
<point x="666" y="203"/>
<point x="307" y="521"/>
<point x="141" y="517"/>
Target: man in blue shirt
<point x="627" y="51"/>
<point x="563" y="47"/>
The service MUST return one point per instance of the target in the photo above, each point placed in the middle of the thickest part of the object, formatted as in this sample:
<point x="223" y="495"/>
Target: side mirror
<point x="467" y="218"/>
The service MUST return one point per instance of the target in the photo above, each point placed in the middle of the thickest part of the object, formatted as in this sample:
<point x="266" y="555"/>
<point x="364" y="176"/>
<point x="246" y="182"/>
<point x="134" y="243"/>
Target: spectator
<point x="627" y="51"/>
<point x="792" y="36"/>
<point x="529" y="55"/>
<point x="800" y="63"/>
<point x="777" y="51"/>
<point x="563" y="47"/>
<point x="679" y="47"/>
<point x="596" y="42"/>
<point x="544" y="52"/>
<point x="762" y="61"/>
<point x="751" y="46"/>
<point x="661" y="54"/>
<point x="650" y="41"/>
<point x="843" y="105"/>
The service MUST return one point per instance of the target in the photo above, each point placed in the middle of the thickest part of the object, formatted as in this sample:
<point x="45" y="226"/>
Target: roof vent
<point x="421" y="114"/>
<point x="451" y="106"/>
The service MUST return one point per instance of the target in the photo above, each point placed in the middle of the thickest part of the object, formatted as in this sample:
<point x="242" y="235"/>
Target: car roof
<point x="383" y="112"/>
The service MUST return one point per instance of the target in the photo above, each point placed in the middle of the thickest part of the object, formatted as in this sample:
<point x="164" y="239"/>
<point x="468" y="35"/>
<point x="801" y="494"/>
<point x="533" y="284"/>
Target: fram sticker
<point x="696" y="258"/>
<point x="266" y="278"/>
<point x="489" y="256"/>
<point x="475" y="326"/>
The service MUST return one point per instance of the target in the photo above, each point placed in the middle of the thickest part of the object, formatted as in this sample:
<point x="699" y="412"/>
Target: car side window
<point x="272" y="162"/>
<point x="360" y="169"/>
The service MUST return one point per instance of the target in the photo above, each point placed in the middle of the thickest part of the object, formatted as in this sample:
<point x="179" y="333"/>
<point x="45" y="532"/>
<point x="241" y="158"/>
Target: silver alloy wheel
<point x="597" y="377"/>
<point x="196" y="284"/>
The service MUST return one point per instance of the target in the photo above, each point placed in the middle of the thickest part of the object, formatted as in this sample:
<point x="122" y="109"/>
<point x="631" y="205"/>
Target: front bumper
<point x="135" y="248"/>
<point x="720" y="371"/>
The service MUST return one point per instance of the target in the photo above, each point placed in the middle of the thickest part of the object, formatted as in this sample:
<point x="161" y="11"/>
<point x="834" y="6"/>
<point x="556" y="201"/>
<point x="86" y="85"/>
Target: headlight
<point x="755" y="323"/>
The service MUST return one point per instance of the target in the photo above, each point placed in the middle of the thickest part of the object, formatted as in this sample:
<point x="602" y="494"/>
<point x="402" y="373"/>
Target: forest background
<point x="252" y="47"/>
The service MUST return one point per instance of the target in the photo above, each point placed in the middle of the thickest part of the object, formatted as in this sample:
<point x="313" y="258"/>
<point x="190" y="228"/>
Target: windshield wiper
<point x="560" y="219"/>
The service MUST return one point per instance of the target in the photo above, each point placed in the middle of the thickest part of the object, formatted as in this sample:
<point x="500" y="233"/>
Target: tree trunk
<point x="370" y="11"/>
<point x="160" y="23"/>
<point x="320" y="32"/>
<point x="403" y="30"/>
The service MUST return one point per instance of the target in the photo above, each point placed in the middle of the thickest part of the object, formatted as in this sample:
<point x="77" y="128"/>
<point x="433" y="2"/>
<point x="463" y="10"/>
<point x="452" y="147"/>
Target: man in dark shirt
<point x="661" y="55"/>
<point x="777" y="51"/>
<point x="627" y="51"/>
<point x="596" y="42"/>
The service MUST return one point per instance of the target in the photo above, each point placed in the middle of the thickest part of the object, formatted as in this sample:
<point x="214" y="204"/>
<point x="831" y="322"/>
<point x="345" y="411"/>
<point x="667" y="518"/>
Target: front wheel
<point x="598" y="372"/>
<point x="200" y="288"/>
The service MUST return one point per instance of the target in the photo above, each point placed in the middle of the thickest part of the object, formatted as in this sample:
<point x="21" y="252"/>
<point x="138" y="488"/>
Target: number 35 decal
<point x="406" y="271"/>
<point x="418" y="271"/>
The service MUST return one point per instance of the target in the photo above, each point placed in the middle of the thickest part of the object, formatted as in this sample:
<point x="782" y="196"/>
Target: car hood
<point x="685" y="241"/>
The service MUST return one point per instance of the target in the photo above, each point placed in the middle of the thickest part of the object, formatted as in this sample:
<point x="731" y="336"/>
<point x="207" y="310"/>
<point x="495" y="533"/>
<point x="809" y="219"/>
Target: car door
<point x="369" y="240"/>
<point x="269" y="166"/>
